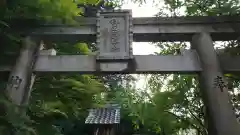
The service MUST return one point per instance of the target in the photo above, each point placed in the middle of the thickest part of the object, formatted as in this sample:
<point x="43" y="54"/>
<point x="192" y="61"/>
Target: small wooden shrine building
<point x="105" y="121"/>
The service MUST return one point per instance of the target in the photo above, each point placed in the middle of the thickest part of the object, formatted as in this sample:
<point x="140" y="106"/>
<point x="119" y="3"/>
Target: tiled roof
<point x="107" y="115"/>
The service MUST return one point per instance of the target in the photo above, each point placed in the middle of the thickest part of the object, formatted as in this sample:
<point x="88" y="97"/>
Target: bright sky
<point x="142" y="48"/>
<point x="145" y="10"/>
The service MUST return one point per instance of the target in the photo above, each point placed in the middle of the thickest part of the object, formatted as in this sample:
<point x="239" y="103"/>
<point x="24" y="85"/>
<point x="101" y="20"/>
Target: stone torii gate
<point x="114" y="33"/>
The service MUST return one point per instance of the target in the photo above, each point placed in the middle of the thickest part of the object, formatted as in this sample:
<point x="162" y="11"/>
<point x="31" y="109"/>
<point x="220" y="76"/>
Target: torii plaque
<point x="114" y="35"/>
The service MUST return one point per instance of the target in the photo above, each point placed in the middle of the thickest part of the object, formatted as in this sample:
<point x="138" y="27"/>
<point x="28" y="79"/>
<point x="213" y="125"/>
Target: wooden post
<point x="20" y="79"/>
<point x="214" y="88"/>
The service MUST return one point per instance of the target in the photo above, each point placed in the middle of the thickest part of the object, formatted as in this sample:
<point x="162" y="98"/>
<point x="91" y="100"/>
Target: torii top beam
<point x="147" y="29"/>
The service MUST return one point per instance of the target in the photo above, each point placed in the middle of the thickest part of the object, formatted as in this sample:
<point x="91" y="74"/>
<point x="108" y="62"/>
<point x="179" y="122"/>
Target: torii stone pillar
<point x="21" y="78"/>
<point x="216" y="98"/>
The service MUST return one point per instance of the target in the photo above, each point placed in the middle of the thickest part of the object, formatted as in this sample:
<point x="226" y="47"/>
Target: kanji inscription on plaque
<point x="114" y="36"/>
